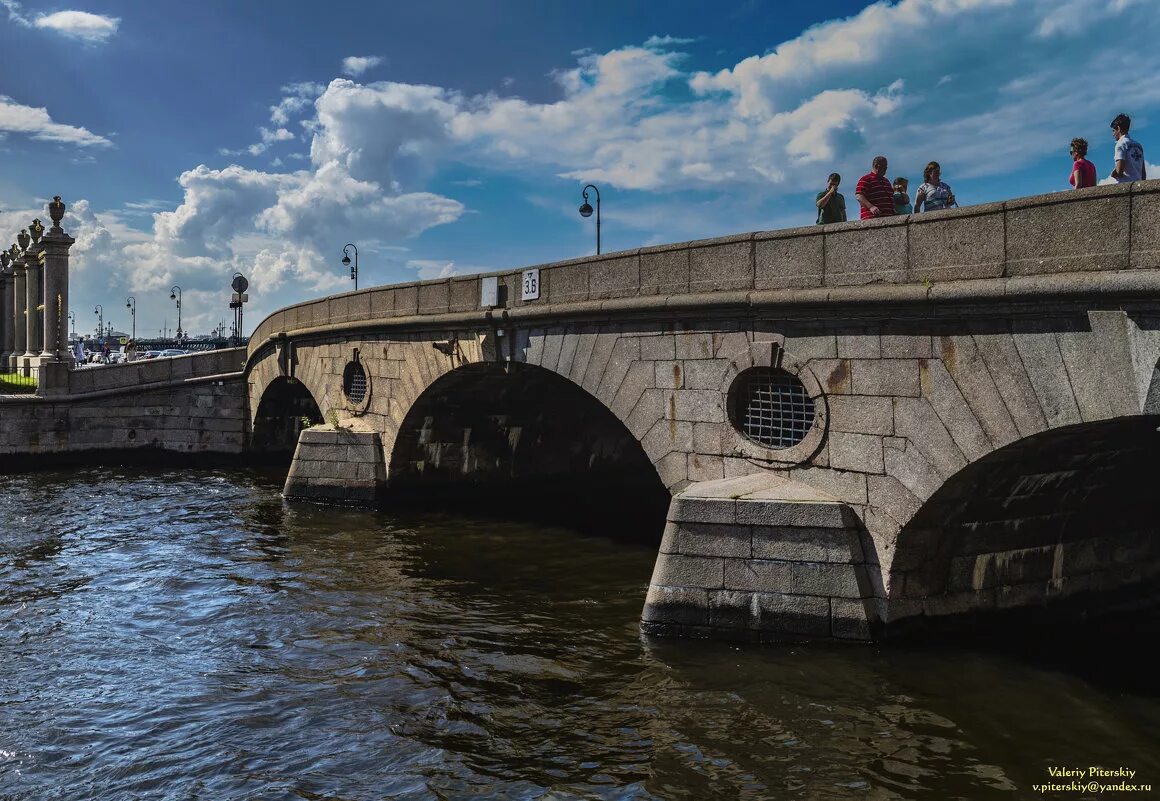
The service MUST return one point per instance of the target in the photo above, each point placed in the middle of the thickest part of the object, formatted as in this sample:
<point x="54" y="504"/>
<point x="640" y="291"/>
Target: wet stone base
<point x="337" y="466"/>
<point x="763" y="559"/>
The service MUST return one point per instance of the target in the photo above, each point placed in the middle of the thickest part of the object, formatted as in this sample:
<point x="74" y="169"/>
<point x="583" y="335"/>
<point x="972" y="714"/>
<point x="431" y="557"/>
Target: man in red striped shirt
<point x="874" y="193"/>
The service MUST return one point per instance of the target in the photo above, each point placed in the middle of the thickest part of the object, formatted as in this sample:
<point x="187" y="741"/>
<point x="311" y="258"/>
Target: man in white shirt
<point x="1129" y="154"/>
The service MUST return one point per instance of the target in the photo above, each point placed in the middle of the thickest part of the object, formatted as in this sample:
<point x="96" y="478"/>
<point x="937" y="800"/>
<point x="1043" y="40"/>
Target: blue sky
<point x="193" y="140"/>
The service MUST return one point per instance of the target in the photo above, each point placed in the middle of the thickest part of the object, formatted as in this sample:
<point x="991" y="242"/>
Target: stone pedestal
<point x="53" y="379"/>
<point x="56" y="244"/>
<point x="33" y="331"/>
<point x="338" y="466"/>
<point x="761" y="558"/>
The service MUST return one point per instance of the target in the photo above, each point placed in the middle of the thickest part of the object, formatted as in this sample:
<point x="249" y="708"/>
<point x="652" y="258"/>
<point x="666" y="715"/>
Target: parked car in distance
<point x="150" y="354"/>
<point x="173" y="352"/>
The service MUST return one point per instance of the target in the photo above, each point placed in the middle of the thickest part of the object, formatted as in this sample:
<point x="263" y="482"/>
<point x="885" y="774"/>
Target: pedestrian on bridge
<point x="1083" y="172"/>
<point x="79" y="351"/>
<point x="830" y="202"/>
<point x="934" y="194"/>
<point x="1129" y="154"/>
<point x="874" y="193"/>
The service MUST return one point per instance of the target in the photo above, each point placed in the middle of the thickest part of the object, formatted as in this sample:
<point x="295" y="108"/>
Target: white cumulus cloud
<point x="357" y="65"/>
<point x="36" y="123"/>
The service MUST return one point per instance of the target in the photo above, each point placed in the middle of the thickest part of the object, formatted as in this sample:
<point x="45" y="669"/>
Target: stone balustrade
<point x="34" y="295"/>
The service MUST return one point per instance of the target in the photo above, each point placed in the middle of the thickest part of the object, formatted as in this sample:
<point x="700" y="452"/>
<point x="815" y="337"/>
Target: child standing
<point x="901" y="198"/>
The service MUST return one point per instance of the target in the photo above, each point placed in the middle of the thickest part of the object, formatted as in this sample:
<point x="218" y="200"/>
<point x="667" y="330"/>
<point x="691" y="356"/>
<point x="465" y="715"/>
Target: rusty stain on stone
<point x="672" y="416"/>
<point x="949" y="356"/>
<point x="839" y="376"/>
<point x="676" y="374"/>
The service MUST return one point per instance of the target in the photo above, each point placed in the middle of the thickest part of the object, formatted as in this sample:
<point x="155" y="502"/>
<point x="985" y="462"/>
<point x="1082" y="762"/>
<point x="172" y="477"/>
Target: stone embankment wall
<point x="188" y="404"/>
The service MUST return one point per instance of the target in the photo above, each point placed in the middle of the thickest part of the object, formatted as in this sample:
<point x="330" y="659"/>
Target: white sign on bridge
<point x="531" y="284"/>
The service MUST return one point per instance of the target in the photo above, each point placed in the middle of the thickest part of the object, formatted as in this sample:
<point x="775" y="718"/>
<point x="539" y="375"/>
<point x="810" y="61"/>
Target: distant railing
<point x="22" y="381"/>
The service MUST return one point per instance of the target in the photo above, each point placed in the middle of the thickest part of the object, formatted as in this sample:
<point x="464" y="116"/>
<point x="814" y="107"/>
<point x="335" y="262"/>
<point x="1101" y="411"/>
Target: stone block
<point x="684" y="509"/>
<point x="948" y="403"/>
<point x="598" y="360"/>
<point x="625" y="353"/>
<point x="866" y="252"/>
<point x="680" y="605"/>
<point x="705" y="374"/>
<point x="730" y="610"/>
<point x="673" y="470"/>
<point x="567" y="283"/>
<point x="705" y="467"/>
<point x="434" y="297"/>
<point x="805" y="348"/>
<point x="758" y="575"/>
<point x="645" y="414"/>
<point x="1062" y="233"/>
<point x="861" y="414"/>
<point x="970" y="375"/>
<point x="1145" y="227"/>
<point x="905" y="346"/>
<point x="864" y="345"/>
<point x="669" y="374"/>
<point x="383" y="303"/>
<point x="897" y="377"/>
<point x="637" y="380"/>
<point x="1005" y="366"/>
<point x="793" y="544"/>
<point x="724" y="266"/>
<point x="657" y="348"/>
<point x="694" y="345"/>
<point x="829" y="580"/>
<point x="957" y="244"/>
<point x="893" y="497"/>
<point x="1039" y="350"/>
<point x="791" y="614"/>
<point x="859" y="452"/>
<point x="709" y="438"/>
<point x="676" y="570"/>
<point x="790" y="513"/>
<point x="696" y="405"/>
<point x="406" y="300"/>
<point x="665" y="271"/>
<point x="792" y="258"/>
<point x="852" y="619"/>
<point x="464" y="293"/>
<point x="833" y="375"/>
<point x="614" y="278"/>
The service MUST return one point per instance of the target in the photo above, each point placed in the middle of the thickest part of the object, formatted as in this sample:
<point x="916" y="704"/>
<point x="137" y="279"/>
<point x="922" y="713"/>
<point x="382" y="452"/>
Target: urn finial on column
<point x="4" y="259"/>
<point x="13" y="252"/>
<point x="56" y="211"/>
<point x="36" y="230"/>
<point x="22" y="239"/>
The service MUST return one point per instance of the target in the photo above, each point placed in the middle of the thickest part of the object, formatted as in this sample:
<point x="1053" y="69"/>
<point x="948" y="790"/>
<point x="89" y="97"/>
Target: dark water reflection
<point x="176" y="635"/>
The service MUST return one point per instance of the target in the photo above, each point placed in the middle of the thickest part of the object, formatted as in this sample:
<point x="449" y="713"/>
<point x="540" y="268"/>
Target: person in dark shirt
<point x="831" y="205"/>
<point x="874" y="193"/>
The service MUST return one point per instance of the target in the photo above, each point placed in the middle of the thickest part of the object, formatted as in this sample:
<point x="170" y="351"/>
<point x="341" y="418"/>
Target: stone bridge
<point x="854" y="428"/>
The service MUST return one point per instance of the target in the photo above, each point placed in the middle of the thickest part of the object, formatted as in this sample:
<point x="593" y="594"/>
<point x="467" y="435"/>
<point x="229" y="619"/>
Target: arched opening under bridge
<point x="524" y="442"/>
<point x="286" y="408"/>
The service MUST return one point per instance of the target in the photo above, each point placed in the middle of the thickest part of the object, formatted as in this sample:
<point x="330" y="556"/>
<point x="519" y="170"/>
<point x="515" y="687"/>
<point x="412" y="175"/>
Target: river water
<point x="188" y="635"/>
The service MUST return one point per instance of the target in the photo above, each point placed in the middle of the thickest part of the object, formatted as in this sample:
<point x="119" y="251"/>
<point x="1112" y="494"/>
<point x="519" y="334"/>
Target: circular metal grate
<point x="772" y="407"/>
<point x="354" y="382"/>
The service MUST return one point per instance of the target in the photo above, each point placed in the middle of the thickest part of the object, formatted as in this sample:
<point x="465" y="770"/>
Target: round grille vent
<point x="771" y="407"/>
<point x="354" y="382"/>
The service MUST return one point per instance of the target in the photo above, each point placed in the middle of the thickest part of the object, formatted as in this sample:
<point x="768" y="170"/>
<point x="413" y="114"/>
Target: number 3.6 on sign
<point x="531" y="285"/>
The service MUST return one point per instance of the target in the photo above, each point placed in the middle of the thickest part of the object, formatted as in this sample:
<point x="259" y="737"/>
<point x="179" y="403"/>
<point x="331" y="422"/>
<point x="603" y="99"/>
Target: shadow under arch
<point x="1061" y="524"/>
<point x="522" y="441"/>
<point x="285" y="409"/>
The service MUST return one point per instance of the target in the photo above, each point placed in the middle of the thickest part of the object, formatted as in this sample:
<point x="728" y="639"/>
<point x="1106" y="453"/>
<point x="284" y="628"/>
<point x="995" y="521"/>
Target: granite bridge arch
<point x="985" y="407"/>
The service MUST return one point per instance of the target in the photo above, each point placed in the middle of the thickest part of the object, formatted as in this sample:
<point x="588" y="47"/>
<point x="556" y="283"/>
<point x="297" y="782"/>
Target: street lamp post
<point x="586" y="211"/>
<point x="99" y="310"/>
<point x="354" y="267"/>
<point x="72" y="316"/>
<point x="175" y="294"/>
<point x="131" y="305"/>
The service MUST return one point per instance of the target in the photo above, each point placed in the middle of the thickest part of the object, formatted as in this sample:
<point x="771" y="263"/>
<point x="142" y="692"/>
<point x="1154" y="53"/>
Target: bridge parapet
<point x="1027" y="244"/>
<point x="129" y="376"/>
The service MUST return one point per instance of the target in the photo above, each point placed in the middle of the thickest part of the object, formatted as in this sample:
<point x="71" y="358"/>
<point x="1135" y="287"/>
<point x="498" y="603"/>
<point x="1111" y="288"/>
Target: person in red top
<point x="1083" y="172"/>
<point x="874" y="193"/>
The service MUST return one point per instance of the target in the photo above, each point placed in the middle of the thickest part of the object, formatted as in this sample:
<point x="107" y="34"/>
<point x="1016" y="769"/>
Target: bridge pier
<point x="762" y="558"/>
<point x="337" y="465"/>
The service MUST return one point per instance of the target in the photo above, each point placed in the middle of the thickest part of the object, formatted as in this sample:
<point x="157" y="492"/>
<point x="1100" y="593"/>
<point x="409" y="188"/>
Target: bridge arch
<point x="1054" y="516"/>
<point x="284" y="408"/>
<point x="523" y="438"/>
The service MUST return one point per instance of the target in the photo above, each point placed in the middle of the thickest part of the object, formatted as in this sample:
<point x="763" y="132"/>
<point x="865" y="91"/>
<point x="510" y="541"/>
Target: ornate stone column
<point x="56" y="245"/>
<point x="19" y="299"/>
<point x="31" y="294"/>
<point x="7" y="309"/>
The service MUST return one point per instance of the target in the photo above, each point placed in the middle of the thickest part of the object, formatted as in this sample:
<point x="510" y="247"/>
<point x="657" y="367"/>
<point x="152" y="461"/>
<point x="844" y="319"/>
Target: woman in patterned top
<point x="933" y="194"/>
